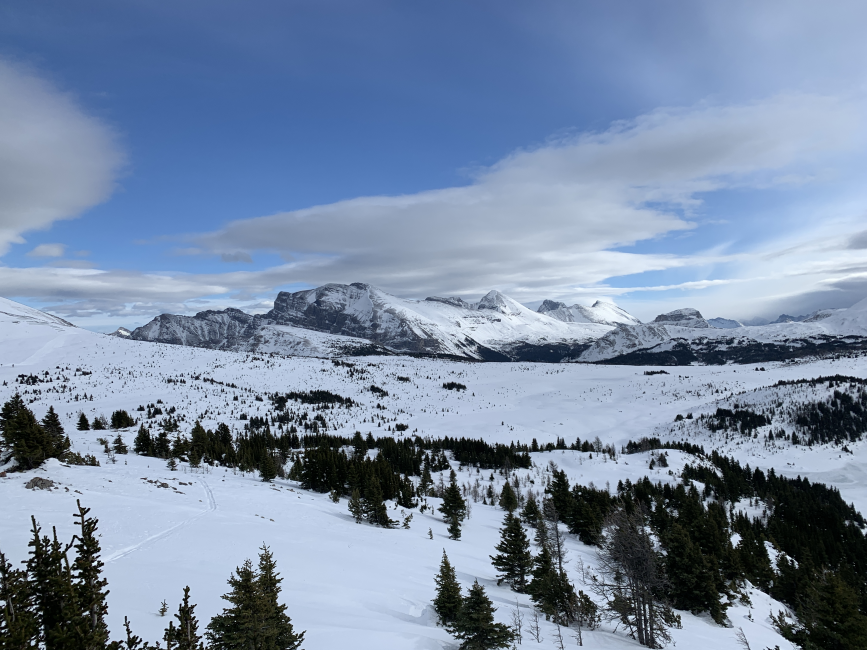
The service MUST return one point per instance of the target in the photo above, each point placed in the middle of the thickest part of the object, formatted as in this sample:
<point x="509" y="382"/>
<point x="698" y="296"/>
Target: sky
<point x="176" y="157"/>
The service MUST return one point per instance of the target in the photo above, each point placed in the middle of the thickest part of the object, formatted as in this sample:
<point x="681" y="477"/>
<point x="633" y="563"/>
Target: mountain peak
<point x="686" y="317"/>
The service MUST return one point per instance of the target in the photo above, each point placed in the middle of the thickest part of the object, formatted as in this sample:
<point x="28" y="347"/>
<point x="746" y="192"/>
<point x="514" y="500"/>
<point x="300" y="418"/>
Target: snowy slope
<point x="605" y="313"/>
<point x="354" y="585"/>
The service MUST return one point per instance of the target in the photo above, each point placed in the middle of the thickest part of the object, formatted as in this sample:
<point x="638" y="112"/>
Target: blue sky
<point x="189" y="155"/>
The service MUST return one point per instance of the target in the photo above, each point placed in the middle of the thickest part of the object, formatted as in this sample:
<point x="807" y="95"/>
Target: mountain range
<point x="359" y="319"/>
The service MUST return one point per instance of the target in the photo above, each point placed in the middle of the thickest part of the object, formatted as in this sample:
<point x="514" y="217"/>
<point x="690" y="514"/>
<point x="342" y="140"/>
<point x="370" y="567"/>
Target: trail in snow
<point x="153" y="539"/>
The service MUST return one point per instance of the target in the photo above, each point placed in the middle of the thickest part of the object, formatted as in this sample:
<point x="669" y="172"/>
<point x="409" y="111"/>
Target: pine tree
<point x="447" y="603"/>
<point x="475" y="624"/>
<point x="277" y="630"/>
<point x="514" y="560"/>
<point x="268" y="468"/>
<point x="172" y="464"/>
<point x="356" y="507"/>
<point x="508" y="500"/>
<point x="83" y="424"/>
<point x="551" y="590"/>
<point x="19" y="623"/>
<point x="454" y="527"/>
<point x="89" y="584"/>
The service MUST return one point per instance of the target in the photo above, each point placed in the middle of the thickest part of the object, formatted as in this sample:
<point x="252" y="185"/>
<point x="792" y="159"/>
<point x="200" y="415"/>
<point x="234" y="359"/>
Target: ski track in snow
<point x="153" y="539"/>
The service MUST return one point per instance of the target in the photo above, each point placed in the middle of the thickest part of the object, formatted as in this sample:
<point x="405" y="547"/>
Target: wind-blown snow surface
<point x="350" y="585"/>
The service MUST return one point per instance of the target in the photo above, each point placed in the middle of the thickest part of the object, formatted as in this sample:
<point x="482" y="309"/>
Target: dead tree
<point x="632" y="580"/>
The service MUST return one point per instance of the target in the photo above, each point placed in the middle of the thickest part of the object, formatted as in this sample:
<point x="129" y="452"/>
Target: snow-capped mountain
<point x="687" y="317"/>
<point x="362" y="316"/>
<point x="121" y="332"/>
<point x="725" y="323"/>
<point x="605" y="313"/>
<point x="685" y="337"/>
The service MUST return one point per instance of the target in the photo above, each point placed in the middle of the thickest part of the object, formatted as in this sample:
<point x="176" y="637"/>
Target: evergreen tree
<point x="256" y="620"/>
<point x="374" y="507"/>
<point x="49" y="574"/>
<point x="30" y="444"/>
<point x="551" y="590"/>
<point x="447" y="603"/>
<point x="143" y="443"/>
<point x="89" y="584"/>
<point x="475" y="624"/>
<point x="426" y="482"/>
<point x="508" y="500"/>
<point x="83" y="424"/>
<point x="268" y="468"/>
<point x="356" y="507"/>
<point x="119" y="446"/>
<point x="277" y="630"/>
<point x="531" y="514"/>
<point x="236" y="627"/>
<point x="54" y="429"/>
<point x="454" y="527"/>
<point x="453" y="508"/>
<point x="186" y="635"/>
<point x="692" y="584"/>
<point x="19" y="624"/>
<point x="514" y="560"/>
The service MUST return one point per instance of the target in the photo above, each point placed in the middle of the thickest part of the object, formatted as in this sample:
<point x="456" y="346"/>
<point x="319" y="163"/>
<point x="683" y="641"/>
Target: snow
<point x="353" y="585"/>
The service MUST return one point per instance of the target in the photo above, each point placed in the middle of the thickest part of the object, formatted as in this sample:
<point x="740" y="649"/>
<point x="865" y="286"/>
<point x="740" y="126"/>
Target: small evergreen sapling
<point x="83" y="424"/>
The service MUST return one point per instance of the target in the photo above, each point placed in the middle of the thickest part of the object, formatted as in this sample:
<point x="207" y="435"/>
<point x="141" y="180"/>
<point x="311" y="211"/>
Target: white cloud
<point x="547" y="219"/>
<point x="48" y="250"/>
<point x="55" y="161"/>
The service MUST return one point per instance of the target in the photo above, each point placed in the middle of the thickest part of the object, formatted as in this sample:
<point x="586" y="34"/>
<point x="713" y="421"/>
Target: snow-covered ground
<point x="353" y="585"/>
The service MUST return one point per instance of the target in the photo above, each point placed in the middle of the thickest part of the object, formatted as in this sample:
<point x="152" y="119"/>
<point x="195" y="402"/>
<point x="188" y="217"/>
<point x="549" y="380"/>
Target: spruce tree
<point x="143" y="443"/>
<point x="119" y="446"/>
<point x="356" y="506"/>
<point x="277" y="630"/>
<point x="426" y="482"/>
<point x="508" y="500"/>
<point x="447" y="603"/>
<point x="83" y="424"/>
<point x="54" y="430"/>
<point x="514" y="560"/>
<point x="374" y="507"/>
<point x="184" y="636"/>
<point x="692" y="585"/>
<point x="236" y="627"/>
<point x="49" y="573"/>
<point x="267" y="468"/>
<point x="89" y="584"/>
<point x="475" y="624"/>
<point x="531" y="514"/>
<point x="30" y="444"/>
<point x="453" y="508"/>
<point x="19" y="622"/>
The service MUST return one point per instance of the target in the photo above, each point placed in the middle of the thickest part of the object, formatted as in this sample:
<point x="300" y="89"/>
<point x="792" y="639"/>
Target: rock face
<point x="687" y="317"/>
<point x="221" y="330"/>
